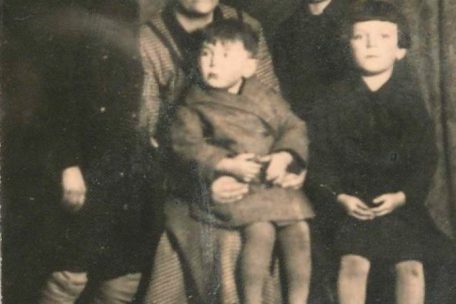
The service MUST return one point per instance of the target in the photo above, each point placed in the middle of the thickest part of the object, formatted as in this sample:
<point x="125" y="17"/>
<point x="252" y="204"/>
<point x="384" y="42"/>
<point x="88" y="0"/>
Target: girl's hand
<point x="355" y="207"/>
<point x="227" y="189"/>
<point x="388" y="202"/>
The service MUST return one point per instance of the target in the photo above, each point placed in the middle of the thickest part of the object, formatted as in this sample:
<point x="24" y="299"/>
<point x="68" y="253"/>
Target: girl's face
<point x="198" y="7"/>
<point x="374" y="45"/>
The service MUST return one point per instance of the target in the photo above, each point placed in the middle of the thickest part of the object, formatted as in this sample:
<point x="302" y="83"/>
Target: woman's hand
<point x="277" y="166"/>
<point x="73" y="189"/>
<point x="355" y="207"/>
<point x="227" y="189"/>
<point x="294" y="181"/>
<point x="388" y="202"/>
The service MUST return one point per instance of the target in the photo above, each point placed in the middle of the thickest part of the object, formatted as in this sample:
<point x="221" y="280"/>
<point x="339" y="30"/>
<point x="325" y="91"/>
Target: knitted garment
<point x="195" y="262"/>
<point x="164" y="66"/>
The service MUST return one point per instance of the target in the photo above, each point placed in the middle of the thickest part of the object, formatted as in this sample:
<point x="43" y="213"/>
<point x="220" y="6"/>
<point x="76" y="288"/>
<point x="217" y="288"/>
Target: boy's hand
<point x="388" y="202"/>
<point x="73" y="188"/>
<point x="243" y="166"/>
<point x="277" y="168"/>
<point x="355" y="207"/>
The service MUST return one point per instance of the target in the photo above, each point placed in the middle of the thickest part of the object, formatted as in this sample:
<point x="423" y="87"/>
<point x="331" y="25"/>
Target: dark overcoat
<point x="92" y="88"/>
<point x="310" y="54"/>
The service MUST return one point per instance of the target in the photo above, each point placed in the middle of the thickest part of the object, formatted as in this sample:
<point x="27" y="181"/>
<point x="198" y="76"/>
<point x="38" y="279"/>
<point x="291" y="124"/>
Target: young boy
<point x="374" y="154"/>
<point x="230" y="124"/>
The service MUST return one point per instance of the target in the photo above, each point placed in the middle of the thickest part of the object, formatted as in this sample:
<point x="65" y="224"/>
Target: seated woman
<point x="195" y="262"/>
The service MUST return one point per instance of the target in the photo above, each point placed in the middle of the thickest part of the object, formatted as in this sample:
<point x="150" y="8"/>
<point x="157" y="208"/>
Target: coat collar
<point x="248" y="99"/>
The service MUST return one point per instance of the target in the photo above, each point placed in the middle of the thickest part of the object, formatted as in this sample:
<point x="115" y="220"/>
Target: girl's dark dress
<point x="370" y="143"/>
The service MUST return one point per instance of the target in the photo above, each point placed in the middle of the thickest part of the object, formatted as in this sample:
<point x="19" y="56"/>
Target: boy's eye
<point x="357" y="36"/>
<point x="204" y="53"/>
<point x="385" y="35"/>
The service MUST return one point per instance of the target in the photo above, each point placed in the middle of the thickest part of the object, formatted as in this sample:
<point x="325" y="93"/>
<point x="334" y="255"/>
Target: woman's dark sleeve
<point x="323" y="171"/>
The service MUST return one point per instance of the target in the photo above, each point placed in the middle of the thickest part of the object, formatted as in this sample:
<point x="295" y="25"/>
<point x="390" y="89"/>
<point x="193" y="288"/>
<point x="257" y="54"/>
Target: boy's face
<point x="375" y="46"/>
<point x="223" y="64"/>
<point x="198" y="7"/>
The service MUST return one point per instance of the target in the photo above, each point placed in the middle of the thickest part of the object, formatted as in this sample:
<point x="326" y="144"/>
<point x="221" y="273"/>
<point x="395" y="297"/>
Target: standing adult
<point x="96" y="161"/>
<point x="309" y="53"/>
<point x="195" y="262"/>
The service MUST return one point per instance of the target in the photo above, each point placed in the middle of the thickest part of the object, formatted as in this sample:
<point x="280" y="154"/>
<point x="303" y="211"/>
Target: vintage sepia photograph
<point x="228" y="152"/>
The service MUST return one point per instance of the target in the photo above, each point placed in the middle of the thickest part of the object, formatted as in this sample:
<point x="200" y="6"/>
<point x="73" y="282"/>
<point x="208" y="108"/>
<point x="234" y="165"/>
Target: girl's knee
<point x="410" y="269"/>
<point x="355" y="267"/>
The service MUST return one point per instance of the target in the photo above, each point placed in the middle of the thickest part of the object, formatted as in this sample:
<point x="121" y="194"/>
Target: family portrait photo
<point x="228" y="152"/>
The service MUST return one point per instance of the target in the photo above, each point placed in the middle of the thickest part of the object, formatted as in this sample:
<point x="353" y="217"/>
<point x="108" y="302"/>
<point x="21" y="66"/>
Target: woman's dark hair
<point x="232" y="30"/>
<point x="381" y="11"/>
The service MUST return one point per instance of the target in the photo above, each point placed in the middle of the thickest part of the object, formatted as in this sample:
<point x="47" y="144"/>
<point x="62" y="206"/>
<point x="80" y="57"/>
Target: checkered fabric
<point x="195" y="263"/>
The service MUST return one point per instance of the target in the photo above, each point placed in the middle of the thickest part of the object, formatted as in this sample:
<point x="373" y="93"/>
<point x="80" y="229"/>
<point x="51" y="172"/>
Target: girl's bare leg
<point x="352" y="281"/>
<point x="255" y="260"/>
<point x="409" y="282"/>
<point x="295" y="244"/>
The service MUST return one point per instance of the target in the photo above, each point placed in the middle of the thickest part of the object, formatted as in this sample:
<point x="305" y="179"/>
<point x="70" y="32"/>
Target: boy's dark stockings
<point x="256" y="255"/>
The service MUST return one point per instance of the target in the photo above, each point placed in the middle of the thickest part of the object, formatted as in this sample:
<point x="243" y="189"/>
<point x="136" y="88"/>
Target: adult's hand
<point x="227" y="189"/>
<point x="73" y="189"/>
<point x="277" y="167"/>
<point x="294" y="181"/>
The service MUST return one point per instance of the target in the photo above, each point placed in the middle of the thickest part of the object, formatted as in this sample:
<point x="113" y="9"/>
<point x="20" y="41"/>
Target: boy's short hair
<point x="232" y="30"/>
<point x="381" y="11"/>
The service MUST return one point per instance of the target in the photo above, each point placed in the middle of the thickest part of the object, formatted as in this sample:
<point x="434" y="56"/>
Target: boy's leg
<point x="63" y="287"/>
<point x="295" y="245"/>
<point x="255" y="260"/>
<point x="120" y="290"/>
<point x="352" y="282"/>
<point x="409" y="282"/>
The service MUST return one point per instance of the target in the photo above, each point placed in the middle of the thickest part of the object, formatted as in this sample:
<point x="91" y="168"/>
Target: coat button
<point x="125" y="207"/>
<point x="102" y="109"/>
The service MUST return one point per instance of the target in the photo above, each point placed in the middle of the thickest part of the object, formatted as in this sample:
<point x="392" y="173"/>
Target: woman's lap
<point x="196" y="263"/>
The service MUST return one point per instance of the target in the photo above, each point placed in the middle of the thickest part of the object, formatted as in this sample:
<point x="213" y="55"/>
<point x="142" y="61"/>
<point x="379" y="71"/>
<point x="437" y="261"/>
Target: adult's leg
<point x="352" y="281"/>
<point x="120" y="290"/>
<point x="256" y="259"/>
<point x="409" y="282"/>
<point x="295" y="244"/>
<point x="63" y="287"/>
